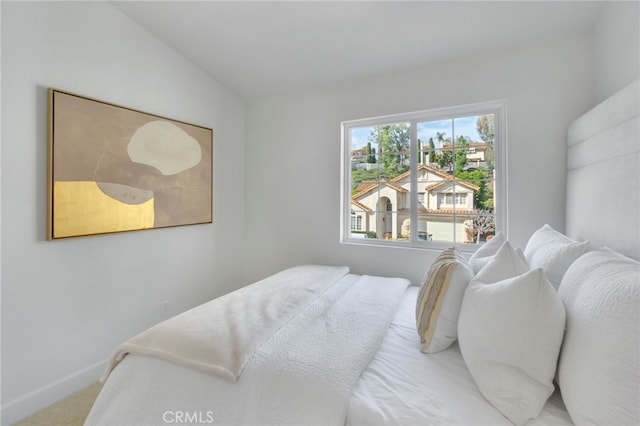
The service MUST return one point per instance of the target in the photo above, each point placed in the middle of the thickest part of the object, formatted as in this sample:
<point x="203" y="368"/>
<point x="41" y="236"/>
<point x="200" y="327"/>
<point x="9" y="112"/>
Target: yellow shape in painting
<point x="81" y="208"/>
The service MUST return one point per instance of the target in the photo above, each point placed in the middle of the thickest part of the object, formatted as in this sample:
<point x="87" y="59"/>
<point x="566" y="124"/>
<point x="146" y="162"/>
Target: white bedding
<point x="218" y="337"/>
<point x="400" y="386"/>
<point x="303" y="374"/>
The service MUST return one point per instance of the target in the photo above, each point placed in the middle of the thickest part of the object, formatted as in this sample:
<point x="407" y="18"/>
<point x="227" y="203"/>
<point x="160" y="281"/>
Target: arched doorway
<point x="384" y="223"/>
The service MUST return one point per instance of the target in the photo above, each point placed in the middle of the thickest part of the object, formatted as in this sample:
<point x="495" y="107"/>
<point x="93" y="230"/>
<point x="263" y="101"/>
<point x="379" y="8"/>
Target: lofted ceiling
<point x="265" y="48"/>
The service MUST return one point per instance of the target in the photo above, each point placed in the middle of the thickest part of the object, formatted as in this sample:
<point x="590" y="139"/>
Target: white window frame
<point x="498" y="108"/>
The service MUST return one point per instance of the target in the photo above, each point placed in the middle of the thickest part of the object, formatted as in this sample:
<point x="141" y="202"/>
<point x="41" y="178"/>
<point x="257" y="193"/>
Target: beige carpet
<point x="71" y="411"/>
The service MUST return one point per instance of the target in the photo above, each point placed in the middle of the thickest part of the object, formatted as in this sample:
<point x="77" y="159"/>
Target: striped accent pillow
<point x="439" y="301"/>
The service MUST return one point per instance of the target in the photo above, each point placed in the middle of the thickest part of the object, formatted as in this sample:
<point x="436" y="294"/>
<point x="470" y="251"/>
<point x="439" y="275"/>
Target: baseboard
<point x="28" y="404"/>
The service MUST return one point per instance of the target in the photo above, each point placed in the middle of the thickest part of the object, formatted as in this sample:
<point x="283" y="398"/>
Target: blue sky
<point x="465" y="126"/>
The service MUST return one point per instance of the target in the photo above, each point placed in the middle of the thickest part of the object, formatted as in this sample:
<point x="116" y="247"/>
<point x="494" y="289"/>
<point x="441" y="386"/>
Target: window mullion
<point x="413" y="167"/>
<point x="454" y="157"/>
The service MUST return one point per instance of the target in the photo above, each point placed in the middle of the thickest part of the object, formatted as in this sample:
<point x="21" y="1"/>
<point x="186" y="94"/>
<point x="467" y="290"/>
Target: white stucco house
<point x="444" y="205"/>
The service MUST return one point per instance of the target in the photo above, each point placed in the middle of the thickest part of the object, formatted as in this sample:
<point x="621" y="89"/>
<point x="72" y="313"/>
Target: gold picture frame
<point x="116" y="169"/>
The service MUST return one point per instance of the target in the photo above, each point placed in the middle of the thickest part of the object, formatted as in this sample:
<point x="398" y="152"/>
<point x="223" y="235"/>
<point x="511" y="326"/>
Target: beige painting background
<point x="115" y="169"/>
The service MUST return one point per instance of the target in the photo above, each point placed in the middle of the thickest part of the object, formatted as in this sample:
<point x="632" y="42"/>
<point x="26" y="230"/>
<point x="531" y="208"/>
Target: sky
<point x="465" y="126"/>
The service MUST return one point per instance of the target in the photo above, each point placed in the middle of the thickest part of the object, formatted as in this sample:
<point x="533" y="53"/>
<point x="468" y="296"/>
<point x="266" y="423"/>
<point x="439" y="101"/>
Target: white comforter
<point x="218" y="337"/>
<point x="303" y="374"/>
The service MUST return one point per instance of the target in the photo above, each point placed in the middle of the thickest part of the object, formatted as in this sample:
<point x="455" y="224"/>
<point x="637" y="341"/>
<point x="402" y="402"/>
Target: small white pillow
<point x="483" y="255"/>
<point x="506" y="263"/>
<point x="439" y="299"/>
<point x="510" y="333"/>
<point x="554" y="252"/>
<point x="599" y="370"/>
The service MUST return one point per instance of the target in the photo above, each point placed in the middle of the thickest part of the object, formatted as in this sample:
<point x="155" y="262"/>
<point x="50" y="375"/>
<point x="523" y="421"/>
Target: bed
<point x="543" y="335"/>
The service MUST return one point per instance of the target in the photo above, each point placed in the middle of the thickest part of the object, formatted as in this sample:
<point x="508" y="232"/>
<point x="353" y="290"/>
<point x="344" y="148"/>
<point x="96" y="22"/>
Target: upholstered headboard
<point x="603" y="174"/>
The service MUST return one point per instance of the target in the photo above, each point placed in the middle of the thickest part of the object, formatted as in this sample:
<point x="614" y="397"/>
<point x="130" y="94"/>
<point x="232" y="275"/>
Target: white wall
<point x="617" y="47"/>
<point x="67" y="304"/>
<point x="293" y="150"/>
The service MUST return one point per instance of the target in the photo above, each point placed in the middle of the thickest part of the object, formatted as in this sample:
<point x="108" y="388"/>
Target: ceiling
<point x="265" y="48"/>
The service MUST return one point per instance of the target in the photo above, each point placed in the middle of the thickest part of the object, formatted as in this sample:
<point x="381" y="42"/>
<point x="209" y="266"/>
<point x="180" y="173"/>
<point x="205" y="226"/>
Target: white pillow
<point x="439" y="299"/>
<point x="553" y="251"/>
<point x="510" y="333"/>
<point x="599" y="365"/>
<point x="483" y="255"/>
<point x="506" y="263"/>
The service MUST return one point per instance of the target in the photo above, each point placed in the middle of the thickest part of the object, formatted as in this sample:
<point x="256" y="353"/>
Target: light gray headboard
<point x="603" y="174"/>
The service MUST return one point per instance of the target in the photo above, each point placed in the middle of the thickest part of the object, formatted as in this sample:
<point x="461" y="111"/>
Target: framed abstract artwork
<point x="115" y="169"/>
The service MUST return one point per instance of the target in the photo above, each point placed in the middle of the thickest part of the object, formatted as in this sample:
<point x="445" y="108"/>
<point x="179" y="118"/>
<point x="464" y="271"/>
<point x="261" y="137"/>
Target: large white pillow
<point x="510" y="333"/>
<point x="599" y="370"/>
<point x="485" y="253"/>
<point x="553" y="251"/>
<point x="439" y="299"/>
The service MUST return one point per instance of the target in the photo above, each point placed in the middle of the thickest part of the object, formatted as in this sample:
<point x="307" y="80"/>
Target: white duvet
<point x="303" y="374"/>
<point x="399" y="386"/>
<point x="218" y="337"/>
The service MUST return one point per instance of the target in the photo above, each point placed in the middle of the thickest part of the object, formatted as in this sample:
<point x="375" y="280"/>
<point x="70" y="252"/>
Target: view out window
<point x="425" y="177"/>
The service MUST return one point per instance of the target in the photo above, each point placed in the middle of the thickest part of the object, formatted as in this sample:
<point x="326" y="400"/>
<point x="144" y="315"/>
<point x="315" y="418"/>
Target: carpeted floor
<point x="71" y="411"/>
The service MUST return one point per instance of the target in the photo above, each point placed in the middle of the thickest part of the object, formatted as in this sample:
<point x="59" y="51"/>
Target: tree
<point x="461" y="148"/>
<point x="482" y="198"/>
<point x="432" y="151"/>
<point x="484" y="223"/>
<point x="371" y="154"/>
<point x="486" y="129"/>
<point x="442" y="138"/>
<point x="394" y="141"/>
<point x="453" y="154"/>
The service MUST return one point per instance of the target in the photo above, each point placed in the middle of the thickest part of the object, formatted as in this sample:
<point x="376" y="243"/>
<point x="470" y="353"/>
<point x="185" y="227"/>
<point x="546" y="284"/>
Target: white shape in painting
<point x="165" y="146"/>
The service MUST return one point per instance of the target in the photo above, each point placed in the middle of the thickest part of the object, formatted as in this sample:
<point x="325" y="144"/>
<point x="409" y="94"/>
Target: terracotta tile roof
<point x="365" y="184"/>
<point x="369" y="185"/>
<point x="449" y="179"/>
<point x="477" y="145"/>
<point x="448" y="211"/>
<point x="360" y="205"/>
<point x="460" y="212"/>
<point x="359" y="151"/>
<point x="422" y="167"/>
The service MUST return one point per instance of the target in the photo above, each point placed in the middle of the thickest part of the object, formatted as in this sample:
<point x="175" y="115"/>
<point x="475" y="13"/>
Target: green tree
<point x="483" y="197"/>
<point x="371" y="154"/>
<point x="442" y="138"/>
<point x="394" y="141"/>
<point x="485" y="126"/>
<point x="461" y="148"/>
<point x="432" y="151"/>
<point x="453" y="154"/>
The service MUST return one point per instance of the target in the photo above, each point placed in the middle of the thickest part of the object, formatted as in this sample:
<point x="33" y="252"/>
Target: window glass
<point x="425" y="177"/>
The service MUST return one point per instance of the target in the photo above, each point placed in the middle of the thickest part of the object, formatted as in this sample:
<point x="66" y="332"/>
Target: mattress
<point x="399" y="386"/>
<point x="402" y="386"/>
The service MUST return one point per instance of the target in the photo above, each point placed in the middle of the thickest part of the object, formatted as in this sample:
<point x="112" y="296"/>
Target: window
<point x="447" y="199"/>
<point x="356" y="223"/>
<point x="425" y="178"/>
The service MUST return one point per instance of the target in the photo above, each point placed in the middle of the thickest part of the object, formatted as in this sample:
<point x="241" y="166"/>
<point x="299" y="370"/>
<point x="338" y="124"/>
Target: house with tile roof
<point x="383" y="206"/>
